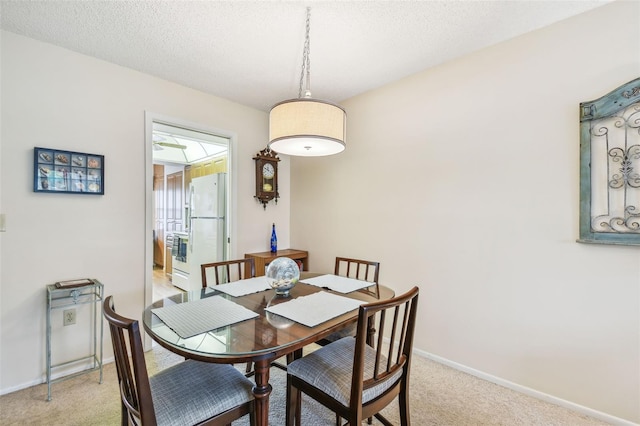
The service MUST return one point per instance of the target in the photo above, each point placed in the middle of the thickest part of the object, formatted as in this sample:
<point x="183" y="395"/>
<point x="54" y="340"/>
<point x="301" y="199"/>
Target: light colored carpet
<point x="439" y="395"/>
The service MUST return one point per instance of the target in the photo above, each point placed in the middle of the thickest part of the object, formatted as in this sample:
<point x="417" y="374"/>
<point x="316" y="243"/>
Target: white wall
<point x="464" y="180"/>
<point x="55" y="98"/>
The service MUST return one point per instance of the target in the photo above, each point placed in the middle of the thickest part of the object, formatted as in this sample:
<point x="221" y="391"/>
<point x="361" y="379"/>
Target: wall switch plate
<point x="69" y="317"/>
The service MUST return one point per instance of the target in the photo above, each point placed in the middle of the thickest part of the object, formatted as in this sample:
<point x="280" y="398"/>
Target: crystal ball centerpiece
<point x="282" y="274"/>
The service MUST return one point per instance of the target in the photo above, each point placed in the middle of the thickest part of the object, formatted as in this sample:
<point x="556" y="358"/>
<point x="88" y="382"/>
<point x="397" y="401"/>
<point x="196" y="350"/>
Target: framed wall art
<point x="71" y="172"/>
<point x="610" y="167"/>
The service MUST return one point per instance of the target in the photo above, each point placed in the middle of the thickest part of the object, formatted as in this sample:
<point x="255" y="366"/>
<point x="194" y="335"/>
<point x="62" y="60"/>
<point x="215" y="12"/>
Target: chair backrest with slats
<point x="227" y="271"/>
<point x="365" y="270"/>
<point x="135" y="391"/>
<point x="393" y="322"/>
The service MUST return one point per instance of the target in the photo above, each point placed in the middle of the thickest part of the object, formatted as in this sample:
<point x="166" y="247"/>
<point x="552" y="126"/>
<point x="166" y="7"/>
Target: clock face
<point x="268" y="171"/>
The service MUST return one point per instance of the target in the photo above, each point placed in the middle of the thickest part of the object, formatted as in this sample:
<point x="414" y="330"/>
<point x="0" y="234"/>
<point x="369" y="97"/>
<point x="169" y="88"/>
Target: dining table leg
<point x="261" y="391"/>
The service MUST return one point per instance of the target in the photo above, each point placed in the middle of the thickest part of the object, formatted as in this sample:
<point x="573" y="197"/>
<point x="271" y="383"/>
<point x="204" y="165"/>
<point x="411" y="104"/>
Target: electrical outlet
<point x="69" y="317"/>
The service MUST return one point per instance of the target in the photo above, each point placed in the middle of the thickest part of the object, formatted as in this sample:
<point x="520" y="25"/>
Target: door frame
<point x="232" y="190"/>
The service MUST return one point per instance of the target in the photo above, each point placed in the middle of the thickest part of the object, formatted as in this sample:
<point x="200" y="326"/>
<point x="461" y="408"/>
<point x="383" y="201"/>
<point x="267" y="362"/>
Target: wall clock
<point x="266" y="176"/>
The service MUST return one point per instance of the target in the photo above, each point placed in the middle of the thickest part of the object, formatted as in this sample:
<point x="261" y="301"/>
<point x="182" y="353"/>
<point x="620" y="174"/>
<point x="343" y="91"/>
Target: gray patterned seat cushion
<point x="193" y="391"/>
<point x="330" y="369"/>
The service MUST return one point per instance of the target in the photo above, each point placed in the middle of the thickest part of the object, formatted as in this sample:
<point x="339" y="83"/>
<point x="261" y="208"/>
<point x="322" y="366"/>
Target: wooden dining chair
<point x="188" y="393"/>
<point x="227" y="271"/>
<point x="354" y="379"/>
<point x="364" y="270"/>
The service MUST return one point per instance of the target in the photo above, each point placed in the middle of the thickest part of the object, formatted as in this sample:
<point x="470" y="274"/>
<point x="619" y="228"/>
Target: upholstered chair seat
<point x="330" y="369"/>
<point x="175" y="389"/>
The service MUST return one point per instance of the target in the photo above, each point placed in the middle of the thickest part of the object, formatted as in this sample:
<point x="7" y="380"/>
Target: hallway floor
<point x="162" y="286"/>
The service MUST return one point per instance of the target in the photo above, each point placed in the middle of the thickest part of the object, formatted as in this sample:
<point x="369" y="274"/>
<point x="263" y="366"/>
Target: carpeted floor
<point x="439" y="396"/>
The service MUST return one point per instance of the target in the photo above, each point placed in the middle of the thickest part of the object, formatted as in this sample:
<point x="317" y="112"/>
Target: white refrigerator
<point x="207" y="225"/>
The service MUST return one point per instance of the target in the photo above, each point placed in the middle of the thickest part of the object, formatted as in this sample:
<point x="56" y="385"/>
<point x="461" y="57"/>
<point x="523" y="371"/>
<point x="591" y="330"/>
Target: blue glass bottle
<point x="274" y="239"/>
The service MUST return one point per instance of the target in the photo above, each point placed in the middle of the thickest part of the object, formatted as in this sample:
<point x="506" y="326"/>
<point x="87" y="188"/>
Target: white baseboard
<point x="61" y="373"/>
<point x="457" y="366"/>
<point x="527" y="391"/>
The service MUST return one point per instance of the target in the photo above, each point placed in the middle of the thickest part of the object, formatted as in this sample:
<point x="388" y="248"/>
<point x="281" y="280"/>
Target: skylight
<point x="177" y="145"/>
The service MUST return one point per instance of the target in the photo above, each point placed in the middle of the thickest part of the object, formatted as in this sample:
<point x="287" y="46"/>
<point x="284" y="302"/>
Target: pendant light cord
<point x="306" y="63"/>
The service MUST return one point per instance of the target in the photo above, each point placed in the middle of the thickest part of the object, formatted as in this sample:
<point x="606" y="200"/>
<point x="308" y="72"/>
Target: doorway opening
<point x="181" y="155"/>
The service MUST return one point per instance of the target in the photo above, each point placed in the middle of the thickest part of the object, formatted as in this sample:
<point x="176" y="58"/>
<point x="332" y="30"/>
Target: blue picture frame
<point x="67" y="172"/>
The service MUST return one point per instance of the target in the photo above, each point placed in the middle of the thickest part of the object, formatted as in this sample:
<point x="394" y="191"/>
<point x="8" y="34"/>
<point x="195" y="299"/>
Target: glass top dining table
<point x="261" y="339"/>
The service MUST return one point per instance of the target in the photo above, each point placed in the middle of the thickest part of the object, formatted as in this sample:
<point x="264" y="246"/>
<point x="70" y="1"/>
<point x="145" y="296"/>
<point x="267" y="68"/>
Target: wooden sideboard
<point x="262" y="259"/>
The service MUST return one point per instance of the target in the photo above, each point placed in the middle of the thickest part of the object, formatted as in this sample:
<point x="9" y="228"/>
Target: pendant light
<point x="306" y="126"/>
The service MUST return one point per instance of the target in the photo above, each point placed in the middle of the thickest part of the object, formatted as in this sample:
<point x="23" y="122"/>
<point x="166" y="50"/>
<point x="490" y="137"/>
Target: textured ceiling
<point x="251" y="51"/>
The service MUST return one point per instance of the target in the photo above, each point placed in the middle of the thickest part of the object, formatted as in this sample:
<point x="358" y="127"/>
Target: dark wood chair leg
<point x="124" y="414"/>
<point x="298" y="407"/>
<point x="403" y="403"/>
<point x="296" y="401"/>
<point x="293" y="400"/>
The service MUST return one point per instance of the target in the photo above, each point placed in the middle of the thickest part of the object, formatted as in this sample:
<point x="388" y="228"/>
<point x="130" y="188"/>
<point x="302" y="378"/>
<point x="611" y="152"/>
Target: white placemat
<point x="315" y="308"/>
<point x="337" y="283"/>
<point x="243" y="287"/>
<point x="199" y="316"/>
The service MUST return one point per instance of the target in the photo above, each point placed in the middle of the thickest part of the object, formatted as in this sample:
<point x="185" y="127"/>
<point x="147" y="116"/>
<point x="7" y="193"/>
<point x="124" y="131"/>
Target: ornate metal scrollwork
<point x="610" y="167"/>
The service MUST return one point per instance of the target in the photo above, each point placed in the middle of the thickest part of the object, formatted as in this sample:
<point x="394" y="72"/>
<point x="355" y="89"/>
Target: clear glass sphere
<point x="282" y="274"/>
